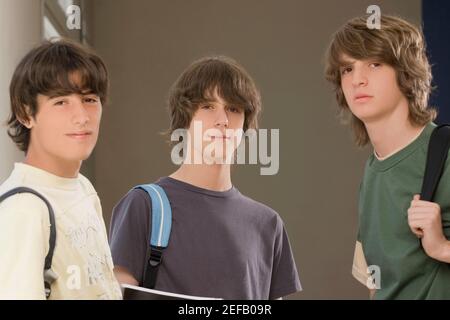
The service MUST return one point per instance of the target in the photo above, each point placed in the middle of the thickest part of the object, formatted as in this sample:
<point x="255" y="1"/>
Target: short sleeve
<point x="129" y="232"/>
<point x="285" y="279"/>
<point x="24" y="236"/>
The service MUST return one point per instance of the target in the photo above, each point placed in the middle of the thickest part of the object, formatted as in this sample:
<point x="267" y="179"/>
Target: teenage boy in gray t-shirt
<point x="222" y="243"/>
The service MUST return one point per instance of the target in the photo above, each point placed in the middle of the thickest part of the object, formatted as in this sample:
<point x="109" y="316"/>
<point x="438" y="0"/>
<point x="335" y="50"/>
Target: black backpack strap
<point x="437" y="155"/>
<point x="154" y="259"/>
<point x="49" y="275"/>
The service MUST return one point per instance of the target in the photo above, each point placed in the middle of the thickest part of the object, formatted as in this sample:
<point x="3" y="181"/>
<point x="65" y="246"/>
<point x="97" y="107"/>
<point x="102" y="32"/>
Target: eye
<point x="375" y="64"/>
<point x="346" y="70"/>
<point x="207" y="107"/>
<point x="234" y="110"/>
<point x="60" y="102"/>
<point x="91" y="99"/>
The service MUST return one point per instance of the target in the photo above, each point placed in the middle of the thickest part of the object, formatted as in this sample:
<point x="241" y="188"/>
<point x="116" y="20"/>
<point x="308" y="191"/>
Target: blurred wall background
<point x="147" y="44"/>
<point x="20" y="30"/>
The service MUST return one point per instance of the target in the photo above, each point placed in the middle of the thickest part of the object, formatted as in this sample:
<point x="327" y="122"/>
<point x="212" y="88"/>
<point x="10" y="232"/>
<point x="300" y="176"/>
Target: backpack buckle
<point x="49" y="277"/>
<point x="155" y="256"/>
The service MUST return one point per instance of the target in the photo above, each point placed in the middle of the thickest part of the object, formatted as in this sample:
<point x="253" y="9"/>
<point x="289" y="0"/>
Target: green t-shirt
<point x="388" y="186"/>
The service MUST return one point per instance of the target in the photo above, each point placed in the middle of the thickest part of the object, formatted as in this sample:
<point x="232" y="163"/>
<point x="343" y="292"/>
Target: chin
<point x="365" y="115"/>
<point x="217" y="159"/>
<point x="368" y="118"/>
<point x="77" y="156"/>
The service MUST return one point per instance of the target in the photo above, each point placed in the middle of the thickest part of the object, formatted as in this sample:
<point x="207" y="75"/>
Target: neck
<point x="58" y="167"/>
<point x="389" y="135"/>
<point x="215" y="177"/>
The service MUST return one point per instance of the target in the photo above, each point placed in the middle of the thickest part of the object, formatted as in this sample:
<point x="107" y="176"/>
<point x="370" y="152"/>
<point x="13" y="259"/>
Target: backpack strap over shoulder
<point x="49" y="275"/>
<point x="159" y="233"/>
<point x="437" y="155"/>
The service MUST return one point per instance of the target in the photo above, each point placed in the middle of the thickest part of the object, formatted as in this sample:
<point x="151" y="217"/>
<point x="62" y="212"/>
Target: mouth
<point x="220" y="137"/>
<point x="80" y="135"/>
<point x="362" y="98"/>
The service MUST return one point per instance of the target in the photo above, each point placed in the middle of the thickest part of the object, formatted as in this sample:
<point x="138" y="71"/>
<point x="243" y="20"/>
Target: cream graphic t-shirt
<point x="82" y="258"/>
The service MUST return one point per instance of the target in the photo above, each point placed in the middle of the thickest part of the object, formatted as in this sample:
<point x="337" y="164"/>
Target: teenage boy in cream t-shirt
<point x="56" y="92"/>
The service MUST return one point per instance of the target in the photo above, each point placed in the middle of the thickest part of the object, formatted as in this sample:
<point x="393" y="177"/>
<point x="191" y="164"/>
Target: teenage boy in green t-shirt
<point x="383" y="79"/>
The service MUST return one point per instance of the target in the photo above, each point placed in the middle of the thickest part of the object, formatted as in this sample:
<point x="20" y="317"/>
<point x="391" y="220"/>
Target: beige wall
<point x="20" y="30"/>
<point x="148" y="43"/>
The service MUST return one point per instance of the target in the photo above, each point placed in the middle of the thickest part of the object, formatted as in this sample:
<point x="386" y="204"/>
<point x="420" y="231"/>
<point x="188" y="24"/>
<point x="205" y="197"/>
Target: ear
<point x="27" y="120"/>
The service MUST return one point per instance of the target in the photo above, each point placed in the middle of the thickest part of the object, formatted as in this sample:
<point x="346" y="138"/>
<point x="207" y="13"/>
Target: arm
<point x="129" y="234"/>
<point x="124" y="276"/>
<point x="285" y="279"/>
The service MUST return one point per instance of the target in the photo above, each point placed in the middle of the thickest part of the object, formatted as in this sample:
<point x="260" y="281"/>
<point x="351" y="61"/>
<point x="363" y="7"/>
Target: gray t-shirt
<point x="222" y="244"/>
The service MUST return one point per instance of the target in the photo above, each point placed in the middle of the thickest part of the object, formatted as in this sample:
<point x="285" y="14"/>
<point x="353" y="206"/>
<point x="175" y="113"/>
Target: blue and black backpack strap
<point x="159" y="233"/>
<point x="438" y="148"/>
<point x="49" y="275"/>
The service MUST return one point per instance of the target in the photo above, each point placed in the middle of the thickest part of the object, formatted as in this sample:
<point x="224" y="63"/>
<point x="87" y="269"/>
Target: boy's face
<point x="370" y="88"/>
<point x="221" y="124"/>
<point x="65" y="127"/>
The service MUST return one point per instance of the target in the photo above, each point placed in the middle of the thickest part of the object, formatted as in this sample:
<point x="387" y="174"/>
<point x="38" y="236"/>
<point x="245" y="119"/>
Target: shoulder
<point x="446" y="170"/>
<point x="131" y="214"/>
<point x="258" y="206"/>
<point x="261" y="211"/>
<point x="86" y="185"/>
<point x="444" y="182"/>
<point x="132" y="203"/>
<point x="135" y="196"/>
<point x="24" y="206"/>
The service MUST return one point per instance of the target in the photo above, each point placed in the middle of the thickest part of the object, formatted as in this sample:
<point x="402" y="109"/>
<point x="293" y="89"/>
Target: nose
<point x="80" y="114"/>
<point x="359" y="77"/>
<point x="221" y="118"/>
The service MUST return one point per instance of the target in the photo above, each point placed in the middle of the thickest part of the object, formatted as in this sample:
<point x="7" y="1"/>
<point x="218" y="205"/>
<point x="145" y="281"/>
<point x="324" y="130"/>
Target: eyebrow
<point x="54" y="96"/>
<point x="58" y="95"/>
<point x="211" y="100"/>
<point x="226" y="104"/>
<point x="89" y="91"/>
<point x="345" y="63"/>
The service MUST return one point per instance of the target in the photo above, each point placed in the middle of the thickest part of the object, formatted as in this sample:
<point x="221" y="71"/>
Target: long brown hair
<point x="399" y="44"/>
<point x="197" y="84"/>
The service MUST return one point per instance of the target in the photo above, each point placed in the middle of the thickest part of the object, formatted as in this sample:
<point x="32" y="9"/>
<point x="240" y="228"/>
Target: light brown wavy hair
<point x="399" y="44"/>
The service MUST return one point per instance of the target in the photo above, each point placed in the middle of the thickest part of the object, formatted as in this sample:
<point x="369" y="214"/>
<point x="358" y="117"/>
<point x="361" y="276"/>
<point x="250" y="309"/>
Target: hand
<point x="424" y="219"/>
